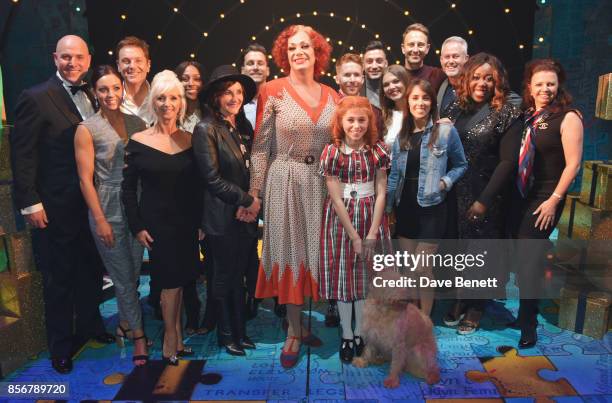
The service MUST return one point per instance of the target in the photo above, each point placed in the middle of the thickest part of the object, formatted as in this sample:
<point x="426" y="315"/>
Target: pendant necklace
<point x="358" y="170"/>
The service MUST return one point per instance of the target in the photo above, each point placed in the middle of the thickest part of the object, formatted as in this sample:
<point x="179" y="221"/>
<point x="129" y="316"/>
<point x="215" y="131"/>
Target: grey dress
<point x="122" y="261"/>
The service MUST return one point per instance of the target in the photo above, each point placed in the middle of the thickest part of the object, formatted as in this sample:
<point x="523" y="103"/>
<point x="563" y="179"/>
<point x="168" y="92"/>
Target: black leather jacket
<point x="225" y="175"/>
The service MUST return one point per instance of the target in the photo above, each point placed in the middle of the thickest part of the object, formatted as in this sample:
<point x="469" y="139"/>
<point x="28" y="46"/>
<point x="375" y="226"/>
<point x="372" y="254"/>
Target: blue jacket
<point x="433" y="167"/>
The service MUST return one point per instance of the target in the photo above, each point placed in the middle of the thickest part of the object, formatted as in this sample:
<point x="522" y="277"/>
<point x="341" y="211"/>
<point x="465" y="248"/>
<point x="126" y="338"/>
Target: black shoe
<point x="280" y="310"/>
<point x="247" y="344"/>
<point x="528" y="339"/>
<point x="141" y="357"/>
<point x="62" y="365"/>
<point x="346" y="351"/>
<point x="358" y="346"/>
<point x="172" y="360"/>
<point x="104" y="338"/>
<point x="232" y="348"/>
<point x="332" y="319"/>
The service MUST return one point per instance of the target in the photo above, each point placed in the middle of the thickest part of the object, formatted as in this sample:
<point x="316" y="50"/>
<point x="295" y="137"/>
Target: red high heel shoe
<point x="288" y="358"/>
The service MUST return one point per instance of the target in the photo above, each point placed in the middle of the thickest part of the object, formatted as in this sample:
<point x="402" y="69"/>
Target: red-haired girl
<point x="355" y="168"/>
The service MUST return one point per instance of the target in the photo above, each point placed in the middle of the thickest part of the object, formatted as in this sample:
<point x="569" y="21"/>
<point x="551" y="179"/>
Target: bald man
<point x="46" y="190"/>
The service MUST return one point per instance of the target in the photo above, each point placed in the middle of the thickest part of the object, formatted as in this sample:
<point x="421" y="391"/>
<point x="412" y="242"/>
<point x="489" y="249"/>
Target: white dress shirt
<point x="128" y="106"/>
<point x="250" y="110"/>
<point x="85" y="108"/>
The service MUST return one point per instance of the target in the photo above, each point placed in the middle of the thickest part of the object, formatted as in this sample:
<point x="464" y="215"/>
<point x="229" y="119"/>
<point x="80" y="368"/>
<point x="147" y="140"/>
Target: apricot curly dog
<point x="396" y="330"/>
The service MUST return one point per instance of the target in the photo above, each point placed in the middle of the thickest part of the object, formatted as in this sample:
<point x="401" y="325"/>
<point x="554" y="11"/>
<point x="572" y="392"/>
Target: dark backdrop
<point x="182" y="32"/>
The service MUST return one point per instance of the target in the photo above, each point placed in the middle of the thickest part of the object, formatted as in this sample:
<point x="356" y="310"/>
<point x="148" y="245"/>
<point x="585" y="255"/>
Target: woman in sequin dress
<point x="293" y="125"/>
<point x="490" y="134"/>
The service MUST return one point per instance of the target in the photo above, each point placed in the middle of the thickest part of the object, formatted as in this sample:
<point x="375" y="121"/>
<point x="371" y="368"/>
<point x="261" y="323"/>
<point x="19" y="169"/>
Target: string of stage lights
<point x="206" y="33"/>
<point x="344" y="44"/>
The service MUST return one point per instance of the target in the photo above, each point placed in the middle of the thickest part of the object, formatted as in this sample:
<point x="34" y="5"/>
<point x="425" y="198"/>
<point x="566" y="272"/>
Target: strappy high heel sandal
<point x="172" y="360"/>
<point x="121" y="335"/>
<point x="141" y="357"/>
<point x="185" y="352"/>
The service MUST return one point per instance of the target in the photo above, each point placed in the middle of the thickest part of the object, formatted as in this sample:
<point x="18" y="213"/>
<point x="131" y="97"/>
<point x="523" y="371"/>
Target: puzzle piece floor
<point x="563" y="367"/>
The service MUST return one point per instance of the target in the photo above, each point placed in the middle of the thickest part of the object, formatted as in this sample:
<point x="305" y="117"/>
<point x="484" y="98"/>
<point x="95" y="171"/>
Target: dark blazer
<point x="42" y="150"/>
<point x="226" y="177"/>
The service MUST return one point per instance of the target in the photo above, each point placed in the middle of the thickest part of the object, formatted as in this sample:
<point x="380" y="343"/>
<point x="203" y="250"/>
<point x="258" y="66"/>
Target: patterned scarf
<point x="524" y="179"/>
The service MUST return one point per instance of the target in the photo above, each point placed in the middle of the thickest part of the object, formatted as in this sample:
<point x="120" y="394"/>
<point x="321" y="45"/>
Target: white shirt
<point x="396" y="125"/>
<point x="85" y="108"/>
<point x="128" y="106"/>
<point x="250" y="110"/>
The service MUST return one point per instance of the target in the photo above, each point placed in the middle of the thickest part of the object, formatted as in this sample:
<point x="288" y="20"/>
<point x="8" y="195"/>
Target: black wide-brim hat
<point x="228" y="72"/>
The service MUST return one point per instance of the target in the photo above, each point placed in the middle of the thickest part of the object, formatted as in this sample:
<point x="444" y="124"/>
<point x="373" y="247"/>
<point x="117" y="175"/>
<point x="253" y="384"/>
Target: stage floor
<point x="564" y="366"/>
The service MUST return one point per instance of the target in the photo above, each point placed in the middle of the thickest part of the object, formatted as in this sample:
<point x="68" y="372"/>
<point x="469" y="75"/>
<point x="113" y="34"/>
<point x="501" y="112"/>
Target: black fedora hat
<point x="228" y="72"/>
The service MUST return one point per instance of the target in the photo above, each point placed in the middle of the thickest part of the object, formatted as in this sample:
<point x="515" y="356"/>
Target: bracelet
<point x="558" y="196"/>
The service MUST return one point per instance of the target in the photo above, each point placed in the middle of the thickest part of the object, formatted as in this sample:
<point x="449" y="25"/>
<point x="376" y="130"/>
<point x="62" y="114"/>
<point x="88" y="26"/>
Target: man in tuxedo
<point x="46" y="189"/>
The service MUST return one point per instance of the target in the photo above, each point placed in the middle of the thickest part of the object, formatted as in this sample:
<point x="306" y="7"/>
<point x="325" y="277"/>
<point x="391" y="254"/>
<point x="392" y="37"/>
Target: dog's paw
<point x="391" y="382"/>
<point x="359" y="362"/>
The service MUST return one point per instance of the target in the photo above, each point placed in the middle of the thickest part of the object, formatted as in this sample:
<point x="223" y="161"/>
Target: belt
<point x="109" y="184"/>
<point x="304" y="159"/>
<point x="358" y="190"/>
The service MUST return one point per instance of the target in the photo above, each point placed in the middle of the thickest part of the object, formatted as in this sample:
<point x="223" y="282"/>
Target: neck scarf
<point x="525" y="179"/>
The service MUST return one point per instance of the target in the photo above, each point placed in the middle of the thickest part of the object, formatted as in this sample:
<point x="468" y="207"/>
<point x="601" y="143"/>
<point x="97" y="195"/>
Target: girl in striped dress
<point x="355" y="168"/>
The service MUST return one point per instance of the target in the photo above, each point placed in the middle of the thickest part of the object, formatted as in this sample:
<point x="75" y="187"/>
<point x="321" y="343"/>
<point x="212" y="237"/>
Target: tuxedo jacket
<point x="42" y="152"/>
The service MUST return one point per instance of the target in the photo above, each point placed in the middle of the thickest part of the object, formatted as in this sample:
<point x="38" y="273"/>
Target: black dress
<point x="168" y="208"/>
<point x="491" y="142"/>
<point x="491" y="145"/>
<point x="413" y="220"/>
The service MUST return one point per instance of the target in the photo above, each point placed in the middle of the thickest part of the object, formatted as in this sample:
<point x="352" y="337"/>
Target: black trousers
<point x="231" y="257"/>
<point x="192" y="305"/>
<point x="252" y="269"/>
<point x="72" y="284"/>
<point x="210" y="311"/>
<point x="532" y="245"/>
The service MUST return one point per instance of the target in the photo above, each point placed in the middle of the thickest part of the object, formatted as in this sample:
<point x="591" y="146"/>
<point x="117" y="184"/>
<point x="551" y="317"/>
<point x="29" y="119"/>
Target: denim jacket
<point x="433" y="167"/>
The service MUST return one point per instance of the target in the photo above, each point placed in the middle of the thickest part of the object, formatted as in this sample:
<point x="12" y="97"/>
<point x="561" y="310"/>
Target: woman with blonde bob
<point x="165" y="218"/>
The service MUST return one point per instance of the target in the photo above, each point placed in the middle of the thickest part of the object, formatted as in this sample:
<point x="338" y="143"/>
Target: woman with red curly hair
<point x="355" y="169"/>
<point x="294" y="116"/>
<point x="490" y="133"/>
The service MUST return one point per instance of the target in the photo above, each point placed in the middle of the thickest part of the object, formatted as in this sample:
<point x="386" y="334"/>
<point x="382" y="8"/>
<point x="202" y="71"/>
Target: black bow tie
<point x="76" y="88"/>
